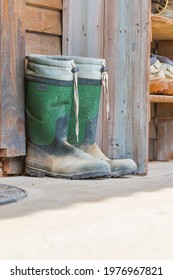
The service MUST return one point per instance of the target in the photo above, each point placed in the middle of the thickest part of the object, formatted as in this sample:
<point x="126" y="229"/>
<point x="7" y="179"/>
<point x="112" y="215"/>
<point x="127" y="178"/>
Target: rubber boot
<point x="49" y="94"/>
<point x="92" y="73"/>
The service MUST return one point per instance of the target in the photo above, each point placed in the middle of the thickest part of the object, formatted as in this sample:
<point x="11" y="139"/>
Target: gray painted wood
<point x="127" y="47"/>
<point x="83" y="27"/>
<point x="12" y="53"/>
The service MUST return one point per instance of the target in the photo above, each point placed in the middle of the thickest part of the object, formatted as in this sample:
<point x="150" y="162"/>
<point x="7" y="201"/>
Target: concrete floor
<point x="127" y="218"/>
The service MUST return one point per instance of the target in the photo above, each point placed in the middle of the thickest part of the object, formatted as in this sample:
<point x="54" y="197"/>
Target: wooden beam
<point x="127" y="49"/>
<point x="42" y="44"/>
<point x="49" y="4"/>
<point x="162" y="28"/>
<point x="13" y="166"/>
<point x="12" y="53"/>
<point x="161" y="98"/>
<point x="43" y="20"/>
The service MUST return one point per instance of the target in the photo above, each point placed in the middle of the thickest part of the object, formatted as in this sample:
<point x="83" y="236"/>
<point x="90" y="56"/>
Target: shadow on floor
<point x="51" y="193"/>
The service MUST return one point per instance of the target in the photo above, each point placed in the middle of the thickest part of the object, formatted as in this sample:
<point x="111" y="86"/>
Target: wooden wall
<point x="31" y="26"/>
<point x="12" y="53"/>
<point x="43" y="24"/>
<point x="120" y="32"/>
<point x="161" y="124"/>
<point x="116" y="30"/>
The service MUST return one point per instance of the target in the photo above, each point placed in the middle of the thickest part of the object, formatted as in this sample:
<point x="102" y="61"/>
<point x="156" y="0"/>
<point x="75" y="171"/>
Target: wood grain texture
<point x="164" y="141"/>
<point x="127" y="48"/>
<point x="165" y="48"/>
<point x="120" y="32"/>
<point x="161" y="99"/>
<point x="164" y="110"/>
<point x="42" y="44"/>
<point x="83" y="27"/>
<point x="13" y="166"/>
<point x="49" y="4"/>
<point x="43" y="20"/>
<point x="83" y="33"/>
<point x="152" y="129"/>
<point x="12" y="53"/>
<point x="152" y="149"/>
<point x="162" y="28"/>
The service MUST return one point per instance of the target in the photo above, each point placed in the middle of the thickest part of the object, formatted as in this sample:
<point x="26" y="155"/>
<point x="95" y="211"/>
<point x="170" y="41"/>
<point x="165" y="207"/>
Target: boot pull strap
<point x="104" y="71"/>
<point x="76" y="98"/>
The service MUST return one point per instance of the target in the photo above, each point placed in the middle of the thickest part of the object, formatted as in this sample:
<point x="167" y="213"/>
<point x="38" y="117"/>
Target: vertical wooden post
<point x="126" y="49"/>
<point x="12" y="54"/>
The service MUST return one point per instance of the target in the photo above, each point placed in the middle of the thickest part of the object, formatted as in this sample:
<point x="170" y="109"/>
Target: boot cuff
<point x="89" y="68"/>
<point x="50" y="60"/>
<point x="50" y="67"/>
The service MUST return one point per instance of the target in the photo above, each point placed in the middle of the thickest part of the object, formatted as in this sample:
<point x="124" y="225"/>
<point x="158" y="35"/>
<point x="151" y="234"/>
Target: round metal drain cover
<point x="10" y="194"/>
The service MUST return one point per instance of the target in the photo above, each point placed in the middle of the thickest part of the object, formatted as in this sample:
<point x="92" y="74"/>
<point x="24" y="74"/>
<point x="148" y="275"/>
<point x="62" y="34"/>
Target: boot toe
<point x="81" y="168"/>
<point x="122" y="167"/>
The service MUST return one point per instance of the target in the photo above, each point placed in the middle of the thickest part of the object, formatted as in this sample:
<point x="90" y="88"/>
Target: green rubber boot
<point x="49" y="94"/>
<point x="92" y="75"/>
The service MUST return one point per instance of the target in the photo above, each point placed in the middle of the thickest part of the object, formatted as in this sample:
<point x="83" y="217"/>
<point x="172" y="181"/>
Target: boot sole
<point x="121" y="174"/>
<point x="42" y="173"/>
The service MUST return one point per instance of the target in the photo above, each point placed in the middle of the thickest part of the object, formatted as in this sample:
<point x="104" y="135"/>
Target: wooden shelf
<point x="162" y="28"/>
<point x="161" y="98"/>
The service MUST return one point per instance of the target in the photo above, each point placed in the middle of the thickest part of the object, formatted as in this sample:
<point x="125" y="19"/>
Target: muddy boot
<point x="49" y="94"/>
<point x="92" y="74"/>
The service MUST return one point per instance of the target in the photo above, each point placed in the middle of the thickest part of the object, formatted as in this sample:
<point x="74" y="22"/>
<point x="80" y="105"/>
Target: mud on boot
<point x="49" y="95"/>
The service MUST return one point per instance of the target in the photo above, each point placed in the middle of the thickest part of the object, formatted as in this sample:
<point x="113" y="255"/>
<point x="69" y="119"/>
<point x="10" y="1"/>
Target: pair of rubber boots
<point x="61" y="106"/>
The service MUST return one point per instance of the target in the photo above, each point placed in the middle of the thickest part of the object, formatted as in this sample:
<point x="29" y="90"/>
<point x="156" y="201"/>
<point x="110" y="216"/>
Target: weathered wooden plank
<point x="83" y="35"/>
<point x="12" y="53"/>
<point x="162" y="28"/>
<point x="1" y="172"/>
<point x="165" y="48"/>
<point x="152" y="129"/>
<point x="127" y="48"/>
<point x="13" y="166"/>
<point x="124" y="35"/>
<point x="49" y="4"/>
<point x="165" y="139"/>
<point x="164" y="110"/>
<point x="152" y="150"/>
<point x="161" y="98"/>
<point x="152" y="110"/>
<point x="42" y="44"/>
<point x="43" y="20"/>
